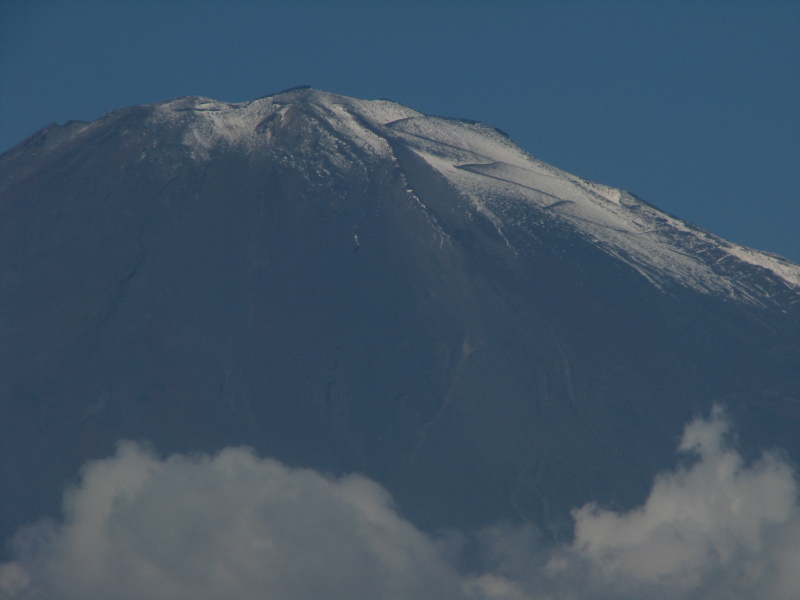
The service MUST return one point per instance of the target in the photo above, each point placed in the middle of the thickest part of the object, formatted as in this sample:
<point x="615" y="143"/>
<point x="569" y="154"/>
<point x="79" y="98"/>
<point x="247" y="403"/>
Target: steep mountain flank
<point x="352" y="285"/>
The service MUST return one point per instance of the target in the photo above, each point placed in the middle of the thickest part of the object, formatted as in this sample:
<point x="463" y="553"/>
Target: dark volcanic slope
<point x="351" y="285"/>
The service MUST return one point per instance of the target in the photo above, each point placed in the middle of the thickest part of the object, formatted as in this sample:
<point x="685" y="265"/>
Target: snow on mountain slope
<point x="499" y="180"/>
<point x="493" y="172"/>
<point x="211" y="124"/>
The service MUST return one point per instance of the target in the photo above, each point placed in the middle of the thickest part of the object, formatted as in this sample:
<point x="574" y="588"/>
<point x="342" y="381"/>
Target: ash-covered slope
<point x="353" y="285"/>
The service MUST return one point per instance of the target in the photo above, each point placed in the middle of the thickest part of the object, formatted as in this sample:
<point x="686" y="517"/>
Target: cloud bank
<point x="717" y="529"/>
<point x="234" y="525"/>
<point x="227" y="526"/>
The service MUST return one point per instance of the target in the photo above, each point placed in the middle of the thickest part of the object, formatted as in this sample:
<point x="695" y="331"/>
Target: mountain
<point x="353" y="285"/>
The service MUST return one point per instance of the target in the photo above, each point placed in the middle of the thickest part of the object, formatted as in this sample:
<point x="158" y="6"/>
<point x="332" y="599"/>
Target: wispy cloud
<point x="234" y="525"/>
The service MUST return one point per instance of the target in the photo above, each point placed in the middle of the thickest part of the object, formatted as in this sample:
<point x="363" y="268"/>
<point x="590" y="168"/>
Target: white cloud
<point x="719" y="528"/>
<point x="712" y="528"/>
<point x="224" y="527"/>
<point x="234" y="525"/>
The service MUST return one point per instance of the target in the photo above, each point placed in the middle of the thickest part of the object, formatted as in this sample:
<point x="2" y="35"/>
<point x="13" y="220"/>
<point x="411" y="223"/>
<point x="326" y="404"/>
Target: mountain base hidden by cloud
<point x="238" y="526"/>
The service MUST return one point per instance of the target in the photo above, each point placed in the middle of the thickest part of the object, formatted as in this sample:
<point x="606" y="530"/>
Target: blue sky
<point x="693" y="106"/>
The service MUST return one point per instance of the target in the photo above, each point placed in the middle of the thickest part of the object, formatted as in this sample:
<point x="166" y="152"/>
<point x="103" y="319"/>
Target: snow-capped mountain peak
<point x="492" y="175"/>
<point x="355" y="286"/>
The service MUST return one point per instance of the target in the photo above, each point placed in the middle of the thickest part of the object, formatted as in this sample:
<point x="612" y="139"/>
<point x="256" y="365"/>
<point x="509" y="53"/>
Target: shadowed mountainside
<point x="353" y="286"/>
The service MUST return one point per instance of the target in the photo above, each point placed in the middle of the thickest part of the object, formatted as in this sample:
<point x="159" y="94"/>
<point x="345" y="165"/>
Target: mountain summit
<point x="353" y="285"/>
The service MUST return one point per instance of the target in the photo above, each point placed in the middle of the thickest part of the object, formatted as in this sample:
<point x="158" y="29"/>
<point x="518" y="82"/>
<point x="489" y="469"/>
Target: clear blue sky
<point x="692" y="105"/>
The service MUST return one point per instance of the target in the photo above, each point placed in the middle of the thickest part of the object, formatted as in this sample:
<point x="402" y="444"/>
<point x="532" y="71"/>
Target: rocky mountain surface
<point x="352" y="285"/>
